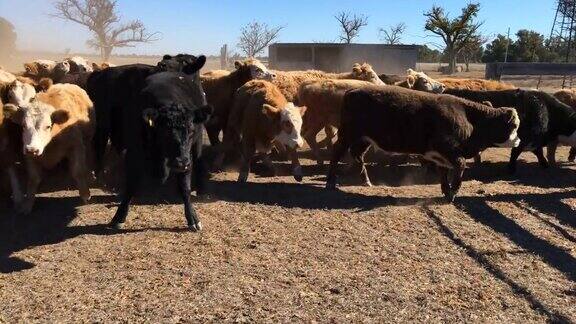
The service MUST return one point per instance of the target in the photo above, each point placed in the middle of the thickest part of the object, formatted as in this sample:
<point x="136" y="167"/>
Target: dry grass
<point x="276" y="250"/>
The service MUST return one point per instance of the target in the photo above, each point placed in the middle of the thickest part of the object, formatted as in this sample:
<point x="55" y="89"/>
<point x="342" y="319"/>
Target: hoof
<point x="297" y="172"/>
<point x="450" y="197"/>
<point x="320" y="162"/>
<point x="368" y="184"/>
<point x="85" y="198"/>
<point x="242" y="178"/>
<point x="195" y="227"/>
<point x="116" y="226"/>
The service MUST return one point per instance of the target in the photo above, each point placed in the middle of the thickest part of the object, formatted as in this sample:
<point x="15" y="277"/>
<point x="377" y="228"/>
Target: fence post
<point x="224" y="57"/>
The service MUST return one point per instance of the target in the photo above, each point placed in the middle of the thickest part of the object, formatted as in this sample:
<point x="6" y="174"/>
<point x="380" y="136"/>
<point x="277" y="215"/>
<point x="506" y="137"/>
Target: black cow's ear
<point x="196" y="66"/>
<point x="167" y="57"/>
<point x="201" y="115"/>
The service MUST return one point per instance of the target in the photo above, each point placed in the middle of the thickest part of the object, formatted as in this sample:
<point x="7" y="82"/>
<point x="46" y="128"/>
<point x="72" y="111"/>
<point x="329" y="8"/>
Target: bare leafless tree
<point x="255" y="37"/>
<point x="393" y="34"/>
<point x="456" y="33"/>
<point x="350" y="25"/>
<point x="100" y="17"/>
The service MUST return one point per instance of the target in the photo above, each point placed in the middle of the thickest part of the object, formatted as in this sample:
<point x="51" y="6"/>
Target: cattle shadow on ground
<point x="49" y="224"/>
<point x="307" y="196"/>
<point x="480" y="211"/>
<point x="527" y="173"/>
<point x="484" y="262"/>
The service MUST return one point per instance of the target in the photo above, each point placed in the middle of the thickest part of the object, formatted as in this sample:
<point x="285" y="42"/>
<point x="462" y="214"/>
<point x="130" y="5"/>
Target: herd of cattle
<point x="154" y="117"/>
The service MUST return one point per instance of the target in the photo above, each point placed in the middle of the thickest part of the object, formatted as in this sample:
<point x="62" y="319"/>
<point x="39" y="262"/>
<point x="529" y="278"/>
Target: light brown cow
<point x="220" y="92"/>
<point x="260" y="116"/>
<point x="57" y="125"/>
<point x="476" y="84"/>
<point x="289" y="82"/>
<point x="324" y="101"/>
<point x="102" y="66"/>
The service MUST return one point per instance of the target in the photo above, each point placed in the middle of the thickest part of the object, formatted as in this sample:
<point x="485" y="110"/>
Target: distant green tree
<point x="429" y="55"/>
<point x="7" y="39"/>
<point x="529" y="46"/>
<point x="496" y="50"/>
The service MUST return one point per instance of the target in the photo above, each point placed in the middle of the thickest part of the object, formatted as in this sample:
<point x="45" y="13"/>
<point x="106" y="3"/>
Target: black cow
<point x="443" y="129"/>
<point x="162" y="131"/>
<point x="114" y="88"/>
<point x="543" y="118"/>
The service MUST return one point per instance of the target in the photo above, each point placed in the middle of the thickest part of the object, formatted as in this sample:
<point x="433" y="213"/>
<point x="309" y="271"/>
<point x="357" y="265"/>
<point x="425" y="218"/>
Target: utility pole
<point x="507" y="45"/>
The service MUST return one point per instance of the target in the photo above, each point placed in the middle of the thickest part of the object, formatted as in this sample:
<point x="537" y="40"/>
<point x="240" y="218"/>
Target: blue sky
<point x="203" y="26"/>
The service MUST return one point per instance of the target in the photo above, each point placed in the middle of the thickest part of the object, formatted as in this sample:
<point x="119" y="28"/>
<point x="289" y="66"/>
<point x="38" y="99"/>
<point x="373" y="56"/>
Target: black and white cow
<point x="543" y="119"/>
<point x="162" y="132"/>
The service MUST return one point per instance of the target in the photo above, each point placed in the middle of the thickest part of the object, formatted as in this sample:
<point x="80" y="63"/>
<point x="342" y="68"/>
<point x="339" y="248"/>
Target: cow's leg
<point x="133" y="180"/>
<point x="358" y="150"/>
<point x="310" y="137"/>
<point x="514" y="154"/>
<point x="200" y="170"/>
<point x="34" y="178"/>
<point x="539" y="152"/>
<point x="267" y="161"/>
<point x="296" y="167"/>
<point x="572" y="154"/>
<point x="445" y="182"/>
<point x="248" y="150"/>
<point x="213" y="131"/>
<point x="15" y="186"/>
<point x="340" y="148"/>
<point x="478" y="159"/>
<point x="184" y="188"/>
<point x="551" y="152"/>
<point x="330" y="134"/>
<point x="459" y="166"/>
<point x="78" y="170"/>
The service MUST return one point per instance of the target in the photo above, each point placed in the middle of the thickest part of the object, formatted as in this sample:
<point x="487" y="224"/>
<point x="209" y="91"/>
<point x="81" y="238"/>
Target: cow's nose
<point x="30" y="150"/>
<point x="182" y="164"/>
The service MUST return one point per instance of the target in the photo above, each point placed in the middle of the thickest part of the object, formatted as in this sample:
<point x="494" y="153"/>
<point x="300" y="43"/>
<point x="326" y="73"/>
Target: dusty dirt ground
<point x="277" y="250"/>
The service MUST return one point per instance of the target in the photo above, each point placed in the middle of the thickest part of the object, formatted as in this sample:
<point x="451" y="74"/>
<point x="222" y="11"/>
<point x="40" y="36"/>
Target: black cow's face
<point x="176" y="129"/>
<point x="179" y="62"/>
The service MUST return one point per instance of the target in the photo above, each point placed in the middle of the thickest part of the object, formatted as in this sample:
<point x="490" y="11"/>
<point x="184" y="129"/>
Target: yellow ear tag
<point x="150" y="122"/>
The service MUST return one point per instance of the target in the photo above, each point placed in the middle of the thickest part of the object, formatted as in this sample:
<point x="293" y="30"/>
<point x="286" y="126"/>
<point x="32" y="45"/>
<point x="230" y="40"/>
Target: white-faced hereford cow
<point x="543" y="119"/>
<point x="162" y="132"/>
<point x="58" y="125"/>
<point x="443" y="129"/>
<point x="260" y="116"/>
<point x="220" y="89"/>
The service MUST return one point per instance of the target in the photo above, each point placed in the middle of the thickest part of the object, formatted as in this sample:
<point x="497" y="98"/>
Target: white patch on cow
<point x="290" y="115"/>
<point x="438" y="159"/>
<point x="81" y="62"/>
<point x="513" y="140"/>
<point x="36" y="125"/>
<point x="260" y="71"/>
<point x="21" y="94"/>
<point x="430" y="85"/>
<point x="568" y="140"/>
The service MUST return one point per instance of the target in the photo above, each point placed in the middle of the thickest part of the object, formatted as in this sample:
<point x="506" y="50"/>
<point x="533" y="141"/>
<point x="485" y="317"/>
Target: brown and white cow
<point x="58" y="125"/>
<point x="443" y="129"/>
<point x="220" y="92"/>
<point x="260" y="116"/>
<point x="421" y="82"/>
